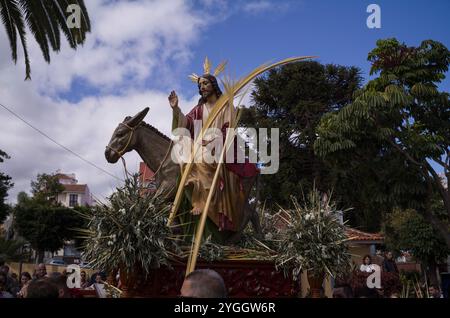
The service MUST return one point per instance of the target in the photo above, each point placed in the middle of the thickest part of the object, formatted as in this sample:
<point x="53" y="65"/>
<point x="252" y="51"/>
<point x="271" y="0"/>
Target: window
<point x="73" y="199"/>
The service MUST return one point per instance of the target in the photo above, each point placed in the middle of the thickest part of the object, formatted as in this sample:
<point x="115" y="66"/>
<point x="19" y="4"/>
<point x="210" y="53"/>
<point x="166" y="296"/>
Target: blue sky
<point x="336" y="31"/>
<point x="140" y="50"/>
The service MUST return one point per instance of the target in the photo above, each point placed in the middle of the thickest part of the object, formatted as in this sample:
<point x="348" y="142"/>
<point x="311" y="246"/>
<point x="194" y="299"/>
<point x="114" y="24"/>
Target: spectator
<point x="41" y="271"/>
<point x="99" y="279"/>
<point x="42" y="288"/>
<point x="389" y="265"/>
<point x="3" y="292"/>
<point x="25" y="279"/>
<point x="84" y="282"/>
<point x="343" y="292"/>
<point x="4" y="269"/>
<point x="203" y="283"/>
<point x="434" y="292"/>
<point x="60" y="281"/>
<point x="367" y="265"/>
<point x="12" y="285"/>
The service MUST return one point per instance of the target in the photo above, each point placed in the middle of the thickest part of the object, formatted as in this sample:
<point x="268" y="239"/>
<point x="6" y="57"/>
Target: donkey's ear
<point x="133" y="122"/>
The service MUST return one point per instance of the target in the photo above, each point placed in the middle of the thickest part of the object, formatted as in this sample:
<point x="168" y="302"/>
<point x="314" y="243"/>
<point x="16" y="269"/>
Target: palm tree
<point x="10" y="250"/>
<point x="44" y="19"/>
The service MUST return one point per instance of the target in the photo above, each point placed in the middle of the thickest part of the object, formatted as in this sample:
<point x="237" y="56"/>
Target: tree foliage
<point x="46" y="188"/>
<point x="408" y="230"/>
<point x="5" y="185"/>
<point x="44" y="223"/>
<point x="399" y="123"/>
<point x="10" y="249"/>
<point x="294" y="98"/>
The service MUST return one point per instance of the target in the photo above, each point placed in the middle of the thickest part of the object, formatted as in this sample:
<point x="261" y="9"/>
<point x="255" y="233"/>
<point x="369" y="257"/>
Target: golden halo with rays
<point x="207" y="69"/>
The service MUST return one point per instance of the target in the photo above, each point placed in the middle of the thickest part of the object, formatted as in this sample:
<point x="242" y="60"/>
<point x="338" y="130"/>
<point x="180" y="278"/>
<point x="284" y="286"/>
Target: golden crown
<point x="207" y="69"/>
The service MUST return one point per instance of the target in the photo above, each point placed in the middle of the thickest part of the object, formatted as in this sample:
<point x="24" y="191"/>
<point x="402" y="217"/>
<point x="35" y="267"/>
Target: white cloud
<point x="257" y="6"/>
<point x="130" y="40"/>
<point x="260" y="6"/>
<point x="85" y="128"/>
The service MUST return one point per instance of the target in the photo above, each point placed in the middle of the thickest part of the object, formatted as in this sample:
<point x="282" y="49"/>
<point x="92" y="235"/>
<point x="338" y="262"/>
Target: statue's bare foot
<point x="196" y="211"/>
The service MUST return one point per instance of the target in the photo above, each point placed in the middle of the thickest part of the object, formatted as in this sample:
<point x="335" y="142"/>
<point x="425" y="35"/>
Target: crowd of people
<point x="201" y="283"/>
<point x="367" y="267"/>
<point x="41" y="284"/>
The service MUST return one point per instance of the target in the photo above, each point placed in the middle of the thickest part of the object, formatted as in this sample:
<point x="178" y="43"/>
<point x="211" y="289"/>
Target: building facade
<point x="74" y="194"/>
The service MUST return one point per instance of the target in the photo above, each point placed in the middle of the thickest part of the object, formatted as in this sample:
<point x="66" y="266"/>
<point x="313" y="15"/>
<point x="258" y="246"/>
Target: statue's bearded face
<point x="206" y="88"/>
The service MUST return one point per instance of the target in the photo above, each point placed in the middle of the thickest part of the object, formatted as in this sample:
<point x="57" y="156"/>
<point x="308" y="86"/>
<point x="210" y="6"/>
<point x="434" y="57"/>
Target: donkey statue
<point x="154" y="148"/>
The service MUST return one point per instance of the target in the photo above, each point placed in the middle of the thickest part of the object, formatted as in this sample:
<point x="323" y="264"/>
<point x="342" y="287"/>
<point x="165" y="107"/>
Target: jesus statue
<point x="225" y="213"/>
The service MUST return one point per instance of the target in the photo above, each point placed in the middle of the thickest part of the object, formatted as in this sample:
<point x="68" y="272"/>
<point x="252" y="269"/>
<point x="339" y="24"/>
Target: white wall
<point x="64" y="198"/>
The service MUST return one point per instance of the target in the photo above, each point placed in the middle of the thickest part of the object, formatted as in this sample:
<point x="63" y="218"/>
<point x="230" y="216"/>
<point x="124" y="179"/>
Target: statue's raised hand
<point x="173" y="99"/>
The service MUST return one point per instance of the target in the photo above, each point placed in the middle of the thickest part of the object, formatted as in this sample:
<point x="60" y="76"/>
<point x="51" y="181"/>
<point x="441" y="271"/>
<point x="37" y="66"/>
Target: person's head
<point x="60" y="281"/>
<point x="367" y="260"/>
<point x="25" y="277"/>
<point x="204" y="283"/>
<point x="42" y="288"/>
<point x="343" y="292"/>
<point x="208" y="86"/>
<point x="98" y="278"/>
<point x="41" y="270"/>
<point x="4" y="269"/>
<point x="83" y="276"/>
<point x="434" y="291"/>
<point x="389" y="255"/>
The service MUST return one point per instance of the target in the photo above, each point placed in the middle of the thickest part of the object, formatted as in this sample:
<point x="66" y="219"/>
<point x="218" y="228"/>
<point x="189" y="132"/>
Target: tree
<point x="10" y="249"/>
<point x="294" y="98"/>
<point x="44" y="19"/>
<point x="5" y="185"/>
<point x="45" y="227"/>
<point x="402" y="117"/>
<point x="44" y="223"/>
<point x="46" y="188"/>
<point x="407" y="230"/>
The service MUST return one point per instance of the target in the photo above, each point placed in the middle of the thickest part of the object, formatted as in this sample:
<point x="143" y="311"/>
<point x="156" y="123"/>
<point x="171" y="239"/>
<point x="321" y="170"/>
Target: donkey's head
<point x="124" y="138"/>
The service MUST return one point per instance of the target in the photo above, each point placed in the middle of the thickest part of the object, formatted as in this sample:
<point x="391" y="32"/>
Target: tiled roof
<point x="74" y="187"/>
<point x="357" y="235"/>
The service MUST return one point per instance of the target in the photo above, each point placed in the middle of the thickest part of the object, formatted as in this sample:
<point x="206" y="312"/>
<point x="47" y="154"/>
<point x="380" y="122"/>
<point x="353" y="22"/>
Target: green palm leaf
<point x="45" y="19"/>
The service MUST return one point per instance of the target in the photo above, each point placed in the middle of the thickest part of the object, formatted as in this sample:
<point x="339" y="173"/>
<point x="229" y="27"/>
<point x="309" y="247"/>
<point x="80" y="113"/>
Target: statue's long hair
<point x="214" y="84"/>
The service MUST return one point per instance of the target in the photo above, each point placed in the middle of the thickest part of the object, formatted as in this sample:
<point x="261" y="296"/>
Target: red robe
<point x="243" y="170"/>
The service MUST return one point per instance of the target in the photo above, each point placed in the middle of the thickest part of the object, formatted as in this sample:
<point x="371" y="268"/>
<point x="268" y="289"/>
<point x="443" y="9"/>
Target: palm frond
<point x="7" y="8"/>
<point x="33" y="18"/>
<point x="220" y="68"/>
<point x="14" y="19"/>
<point x="44" y="19"/>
